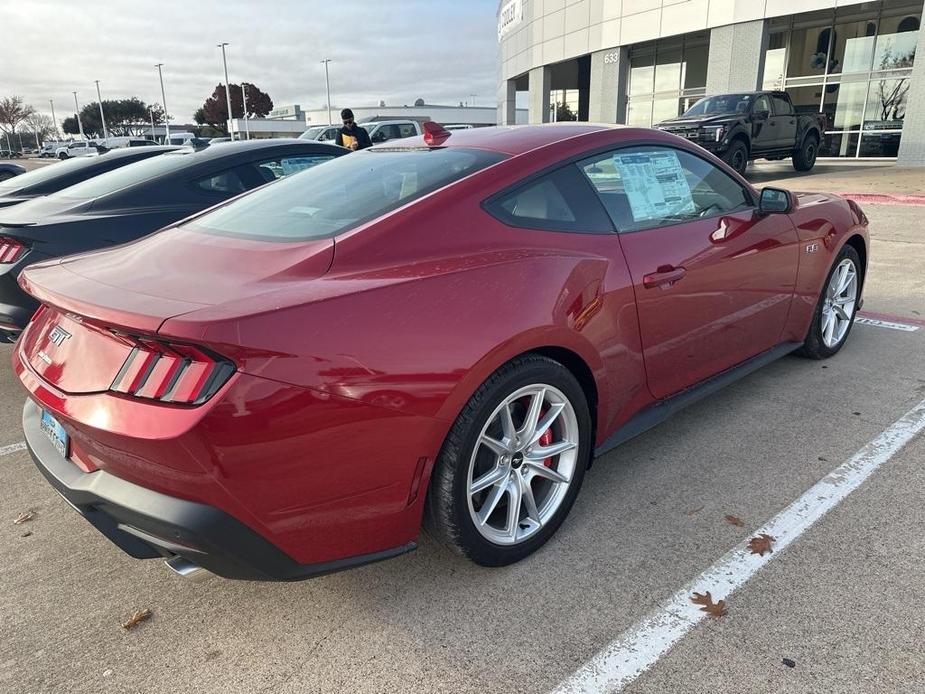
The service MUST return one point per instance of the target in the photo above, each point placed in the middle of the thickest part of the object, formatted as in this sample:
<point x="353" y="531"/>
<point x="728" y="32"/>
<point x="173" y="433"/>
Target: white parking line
<point x="861" y="320"/>
<point x="12" y="448"/>
<point x="637" y="649"/>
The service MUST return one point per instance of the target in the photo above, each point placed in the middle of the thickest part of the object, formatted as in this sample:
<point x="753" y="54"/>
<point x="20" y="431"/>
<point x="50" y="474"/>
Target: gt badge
<point x="812" y="248"/>
<point x="58" y="335"/>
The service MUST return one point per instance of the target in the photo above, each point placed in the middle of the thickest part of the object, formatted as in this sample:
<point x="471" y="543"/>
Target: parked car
<point x="751" y="125"/>
<point x="10" y="154"/>
<point x="110" y="143"/>
<point x="213" y="393"/>
<point x="82" y="148"/>
<point x="133" y="201"/>
<point x="179" y="139"/>
<point x="216" y="140"/>
<point x="383" y="131"/>
<point x="49" y="148"/>
<point x="57" y="176"/>
<point x="458" y="126"/>
<point x="7" y="171"/>
<point x="321" y="133"/>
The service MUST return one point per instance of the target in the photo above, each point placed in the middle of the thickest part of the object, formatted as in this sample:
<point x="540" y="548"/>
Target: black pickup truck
<point x="751" y="125"/>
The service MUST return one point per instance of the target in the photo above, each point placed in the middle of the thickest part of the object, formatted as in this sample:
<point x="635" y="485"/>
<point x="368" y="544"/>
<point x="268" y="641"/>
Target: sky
<point x="443" y="51"/>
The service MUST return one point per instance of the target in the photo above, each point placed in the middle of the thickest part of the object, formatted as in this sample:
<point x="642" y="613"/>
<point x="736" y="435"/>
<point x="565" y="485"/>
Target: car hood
<point x="141" y="284"/>
<point x="717" y="119"/>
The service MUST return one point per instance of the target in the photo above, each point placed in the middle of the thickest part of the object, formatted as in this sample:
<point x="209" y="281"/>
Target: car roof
<point x="507" y="139"/>
<point x="224" y="149"/>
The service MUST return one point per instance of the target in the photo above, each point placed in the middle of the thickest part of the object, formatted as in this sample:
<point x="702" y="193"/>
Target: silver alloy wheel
<point x="840" y="300"/>
<point x="523" y="464"/>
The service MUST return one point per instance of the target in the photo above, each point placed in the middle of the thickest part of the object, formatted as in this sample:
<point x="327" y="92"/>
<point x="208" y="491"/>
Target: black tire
<point x="447" y="516"/>
<point x="804" y="159"/>
<point x="814" y="346"/>
<point x="737" y="156"/>
<point x="62" y="156"/>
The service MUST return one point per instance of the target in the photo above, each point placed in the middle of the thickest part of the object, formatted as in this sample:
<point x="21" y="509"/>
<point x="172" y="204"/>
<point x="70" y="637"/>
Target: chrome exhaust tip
<point x="187" y="569"/>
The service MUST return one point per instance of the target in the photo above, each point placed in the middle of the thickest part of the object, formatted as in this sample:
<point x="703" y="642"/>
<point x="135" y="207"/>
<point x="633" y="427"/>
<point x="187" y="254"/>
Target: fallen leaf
<point x="24" y="517"/>
<point x="137" y="619"/>
<point x="694" y="511"/>
<point x="26" y="534"/>
<point x="761" y="544"/>
<point x="788" y="662"/>
<point x="705" y="600"/>
<point x="735" y="520"/>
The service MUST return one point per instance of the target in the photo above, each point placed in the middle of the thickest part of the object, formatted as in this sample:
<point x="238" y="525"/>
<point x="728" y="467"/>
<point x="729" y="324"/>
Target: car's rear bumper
<point x="148" y="524"/>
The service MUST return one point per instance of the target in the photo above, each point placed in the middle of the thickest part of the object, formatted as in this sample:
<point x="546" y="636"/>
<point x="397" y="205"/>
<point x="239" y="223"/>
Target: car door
<point x="786" y="121"/>
<point x="764" y="125"/>
<point x="713" y="277"/>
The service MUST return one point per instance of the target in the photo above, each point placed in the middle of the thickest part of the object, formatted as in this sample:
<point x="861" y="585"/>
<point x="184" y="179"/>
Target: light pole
<point x="99" y="100"/>
<point x="227" y="87"/>
<point x="472" y="99"/>
<point x="327" y="83"/>
<point x="54" y="120"/>
<point x="247" y="128"/>
<point x="151" y="112"/>
<point x="164" y="104"/>
<point x="80" y="126"/>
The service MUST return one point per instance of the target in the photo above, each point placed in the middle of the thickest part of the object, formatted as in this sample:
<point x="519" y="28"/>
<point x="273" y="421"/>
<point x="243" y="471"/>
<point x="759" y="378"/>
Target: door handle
<point x="665" y="276"/>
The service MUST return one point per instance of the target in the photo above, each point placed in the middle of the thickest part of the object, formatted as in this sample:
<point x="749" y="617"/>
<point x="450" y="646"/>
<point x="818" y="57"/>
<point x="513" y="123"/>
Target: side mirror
<point x="761" y="115"/>
<point x="774" y="201"/>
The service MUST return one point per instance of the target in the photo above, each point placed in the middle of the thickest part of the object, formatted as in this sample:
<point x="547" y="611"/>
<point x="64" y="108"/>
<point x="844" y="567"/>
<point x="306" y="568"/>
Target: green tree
<point x="123" y="117"/>
<point x="214" y="111"/>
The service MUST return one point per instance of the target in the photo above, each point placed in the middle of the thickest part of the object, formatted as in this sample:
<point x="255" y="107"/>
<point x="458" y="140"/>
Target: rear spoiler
<point x="56" y="285"/>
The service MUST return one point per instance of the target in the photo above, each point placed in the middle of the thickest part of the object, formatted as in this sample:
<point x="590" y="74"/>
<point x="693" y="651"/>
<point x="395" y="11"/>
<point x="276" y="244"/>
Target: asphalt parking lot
<point x="843" y="604"/>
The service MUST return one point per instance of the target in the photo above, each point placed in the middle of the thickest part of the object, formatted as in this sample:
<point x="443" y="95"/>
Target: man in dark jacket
<point x="352" y="136"/>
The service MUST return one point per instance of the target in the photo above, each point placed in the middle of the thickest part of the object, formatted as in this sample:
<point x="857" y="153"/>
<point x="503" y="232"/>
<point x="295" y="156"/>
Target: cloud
<point x="439" y="50"/>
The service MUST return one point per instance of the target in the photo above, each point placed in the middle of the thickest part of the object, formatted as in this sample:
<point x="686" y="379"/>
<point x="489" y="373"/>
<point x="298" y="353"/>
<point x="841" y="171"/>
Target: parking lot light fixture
<point x="327" y="83"/>
<point x="160" y="75"/>
<point x="227" y="87"/>
<point x="53" y="119"/>
<point x="247" y="129"/>
<point x="80" y="126"/>
<point x="99" y="100"/>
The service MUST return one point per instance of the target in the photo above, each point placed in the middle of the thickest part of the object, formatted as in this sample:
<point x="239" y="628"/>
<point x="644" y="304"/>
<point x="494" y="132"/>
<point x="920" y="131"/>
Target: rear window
<point x="325" y="200"/>
<point x="126" y="176"/>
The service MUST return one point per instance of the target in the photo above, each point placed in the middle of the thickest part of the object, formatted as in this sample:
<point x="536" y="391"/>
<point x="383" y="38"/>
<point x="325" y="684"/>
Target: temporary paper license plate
<point x="54" y="431"/>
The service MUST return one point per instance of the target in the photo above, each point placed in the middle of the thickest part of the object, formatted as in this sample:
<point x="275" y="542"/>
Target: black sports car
<point x="54" y="177"/>
<point x="133" y="201"/>
<point x="8" y="171"/>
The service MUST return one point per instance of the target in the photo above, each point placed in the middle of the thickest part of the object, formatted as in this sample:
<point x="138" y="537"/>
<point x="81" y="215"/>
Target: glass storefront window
<point x="809" y="51"/>
<point x="886" y="104"/>
<point x="639" y="112"/>
<point x="844" y="105"/>
<point x="642" y="73"/>
<point x="696" y="59"/>
<point x="881" y="144"/>
<point x="774" y="60"/>
<point x="806" y="99"/>
<point x="896" y="42"/>
<point x="853" y="48"/>
<point x="666" y="108"/>
<point x="668" y="70"/>
<point x="839" y="145"/>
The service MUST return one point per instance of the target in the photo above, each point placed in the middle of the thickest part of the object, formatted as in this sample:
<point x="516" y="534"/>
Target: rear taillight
<point x="169" y="372"/>
<point x="11" y="249"/>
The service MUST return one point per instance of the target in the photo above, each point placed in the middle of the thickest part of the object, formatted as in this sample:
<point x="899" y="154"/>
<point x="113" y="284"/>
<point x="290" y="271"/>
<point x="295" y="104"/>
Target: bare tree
<point x="13" y="112"/>
<point x="41" y="126"/>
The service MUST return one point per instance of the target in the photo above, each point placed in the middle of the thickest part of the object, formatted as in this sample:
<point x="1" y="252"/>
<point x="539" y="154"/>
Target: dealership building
<point x="643" y="61"/>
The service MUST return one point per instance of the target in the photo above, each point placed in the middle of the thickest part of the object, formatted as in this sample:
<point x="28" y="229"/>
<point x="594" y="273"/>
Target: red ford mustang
<point x="447" y="328"/>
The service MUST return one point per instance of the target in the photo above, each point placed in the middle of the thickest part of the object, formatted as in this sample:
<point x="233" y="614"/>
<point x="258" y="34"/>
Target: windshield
<point x="125" y="176"/>
<point x="340" y="194"/>
<point x="312" y="133"/>
<point x="46" y="173"/>
<point x="724" y="103"/>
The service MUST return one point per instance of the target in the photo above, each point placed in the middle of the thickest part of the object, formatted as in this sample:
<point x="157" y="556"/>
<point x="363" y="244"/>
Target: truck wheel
<point x="737" y="156"/>
<point x="804" y="159"/>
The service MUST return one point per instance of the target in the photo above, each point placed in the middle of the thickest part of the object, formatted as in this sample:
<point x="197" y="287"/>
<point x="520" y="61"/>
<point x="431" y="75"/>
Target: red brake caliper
<point x="545" y="440"/>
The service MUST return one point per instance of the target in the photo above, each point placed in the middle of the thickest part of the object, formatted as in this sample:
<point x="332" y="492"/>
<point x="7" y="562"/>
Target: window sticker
<point x="655" y="185"/>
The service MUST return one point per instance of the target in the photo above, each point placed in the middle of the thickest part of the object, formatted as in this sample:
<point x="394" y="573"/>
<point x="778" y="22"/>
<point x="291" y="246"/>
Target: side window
<point x="558" y="201"/>
<point x="406" y="130"/>
<point x="225" y="182"/>
<point x="329" y="135"/>
<point x="762" y="104"/>
<point x="781" y="106"/>
<point x="286" y="166"/>
<point x="650" y="187"/>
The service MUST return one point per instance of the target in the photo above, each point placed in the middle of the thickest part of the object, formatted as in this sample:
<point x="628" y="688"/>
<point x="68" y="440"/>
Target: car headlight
<point x="715" y="132"/>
